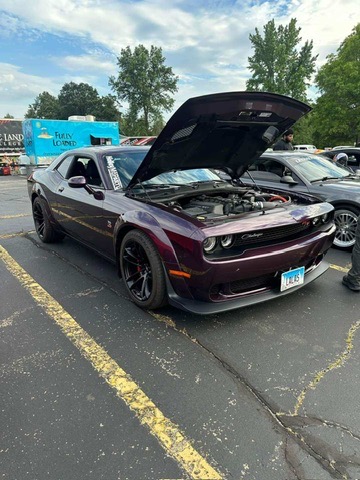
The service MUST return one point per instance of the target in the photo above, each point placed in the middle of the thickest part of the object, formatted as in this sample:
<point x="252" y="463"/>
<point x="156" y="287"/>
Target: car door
<point x="80" y="212"/>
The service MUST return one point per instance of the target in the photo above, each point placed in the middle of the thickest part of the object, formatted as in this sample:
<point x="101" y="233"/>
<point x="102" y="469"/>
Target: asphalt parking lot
<point x="94" y="388"/>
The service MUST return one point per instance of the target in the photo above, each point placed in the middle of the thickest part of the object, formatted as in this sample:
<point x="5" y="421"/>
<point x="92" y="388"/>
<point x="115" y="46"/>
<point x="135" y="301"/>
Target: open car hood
<point x="227" y="131"/>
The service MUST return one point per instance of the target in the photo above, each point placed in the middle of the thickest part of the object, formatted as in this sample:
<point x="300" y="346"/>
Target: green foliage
<point x="74" y="99"/>
<point x="106" y="109"/>
<point x="44" y="106"/>
<point x="77" y="99"/>
<point x="277" y="66"/>
<point x="337" y="112"/>
<point x="145" y="83"/>
<point x="8" y="116"/>
<point x="304" y="131"/>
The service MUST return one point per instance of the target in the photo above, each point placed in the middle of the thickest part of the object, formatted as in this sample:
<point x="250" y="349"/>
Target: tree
<point x="304" y="132"/>
<point x="8" y="116"/>
<point x="44" y="106"/>
<point x="146" y="84"/>
<point x="337" y="112"/>
<point x="277" y="66"/>
<point x="77" y="99"/>
<point x="74" y="99"/>
<point x="106" y="109"/>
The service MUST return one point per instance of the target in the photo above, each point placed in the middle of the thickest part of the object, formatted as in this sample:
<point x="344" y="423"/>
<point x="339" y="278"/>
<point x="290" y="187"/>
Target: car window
<point x="127" y="163"/>
<point x="76" y="169"/>
<point x="354" y="159"/>
<point x="314" y="167"/>
<point x="265" y="176"/>
<point x="64" y="166"/>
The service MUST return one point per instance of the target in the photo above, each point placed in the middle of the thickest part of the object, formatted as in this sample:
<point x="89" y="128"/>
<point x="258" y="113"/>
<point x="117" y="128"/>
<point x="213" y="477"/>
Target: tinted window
<point x="315" y="168"/>
<point x="127" y="163"/>
<point x="64" y="166"/>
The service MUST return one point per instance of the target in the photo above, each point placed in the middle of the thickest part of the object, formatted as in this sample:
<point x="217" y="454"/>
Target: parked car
<point x="353" y="154"/>
<point x="5" y="169"/>
<point x="308" y="148"/>
<point x="339" y="147"/>
<point x="177" y="232"/>
<point x="313" y="174"/>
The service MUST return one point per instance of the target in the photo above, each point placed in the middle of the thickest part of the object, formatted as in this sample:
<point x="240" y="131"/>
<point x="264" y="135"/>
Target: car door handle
<point x="61" y="189"/>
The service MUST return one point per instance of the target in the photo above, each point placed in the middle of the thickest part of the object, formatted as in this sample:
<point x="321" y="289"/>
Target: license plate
<point x="292" y="278"/>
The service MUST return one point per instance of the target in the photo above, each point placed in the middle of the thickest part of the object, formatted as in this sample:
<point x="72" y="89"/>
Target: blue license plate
<point x="292" y="278"/>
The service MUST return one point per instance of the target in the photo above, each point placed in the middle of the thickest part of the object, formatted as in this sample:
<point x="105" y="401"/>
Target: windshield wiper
<point x="159" y="186"/>
<point x="323" y="179"/>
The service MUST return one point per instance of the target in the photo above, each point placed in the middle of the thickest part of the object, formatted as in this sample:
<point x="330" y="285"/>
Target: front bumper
<point x="206" y="308"/>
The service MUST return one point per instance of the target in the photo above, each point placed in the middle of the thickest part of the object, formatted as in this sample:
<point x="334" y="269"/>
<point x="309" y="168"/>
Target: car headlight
<point x="325" y="218"/>
<point x="315" y="221"/>
<point x="226" y="241"/>
<point x="209" y="244"/>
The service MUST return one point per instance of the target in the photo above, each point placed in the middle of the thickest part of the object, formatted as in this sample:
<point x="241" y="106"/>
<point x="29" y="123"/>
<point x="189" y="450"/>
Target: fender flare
<point x="140" y="220"/>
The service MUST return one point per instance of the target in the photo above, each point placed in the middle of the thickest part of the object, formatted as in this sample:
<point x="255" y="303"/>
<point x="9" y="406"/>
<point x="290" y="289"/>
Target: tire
<point x="43" y="227"/>
<point x="142" y="271"/>
<point x="345" y="222"/>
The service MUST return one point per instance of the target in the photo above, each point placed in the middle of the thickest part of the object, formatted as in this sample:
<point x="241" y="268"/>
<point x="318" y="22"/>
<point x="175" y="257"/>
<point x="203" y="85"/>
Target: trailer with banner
<point x="44" y="140"/>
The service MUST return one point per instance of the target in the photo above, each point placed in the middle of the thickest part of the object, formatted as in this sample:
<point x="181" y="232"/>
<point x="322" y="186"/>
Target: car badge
<point x="251" y="235"/>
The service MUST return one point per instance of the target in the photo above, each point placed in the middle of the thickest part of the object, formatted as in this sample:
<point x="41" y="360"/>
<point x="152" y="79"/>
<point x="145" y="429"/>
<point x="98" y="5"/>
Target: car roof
<point x="304" y="145"/>
<point x="286" y="153"/>
<point x="103" y="149"/>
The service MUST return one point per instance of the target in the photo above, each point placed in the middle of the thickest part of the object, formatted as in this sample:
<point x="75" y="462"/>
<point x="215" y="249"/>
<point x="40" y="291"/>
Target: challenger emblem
<point x="251" y="235"/>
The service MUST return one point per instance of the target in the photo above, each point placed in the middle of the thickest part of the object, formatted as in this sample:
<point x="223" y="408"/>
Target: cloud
<point x="205" y="42"/>
<point x="18" y="90"/>
<point x="88" y="63"/>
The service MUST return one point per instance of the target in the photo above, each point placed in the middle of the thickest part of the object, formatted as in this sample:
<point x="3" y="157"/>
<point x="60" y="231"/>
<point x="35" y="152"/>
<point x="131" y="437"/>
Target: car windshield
<point x="316" y="168"/>
<point x="127" y="163"/>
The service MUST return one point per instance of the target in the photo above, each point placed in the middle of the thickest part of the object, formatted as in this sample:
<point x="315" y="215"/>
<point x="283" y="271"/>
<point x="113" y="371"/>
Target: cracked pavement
<point x="266" y="392"/>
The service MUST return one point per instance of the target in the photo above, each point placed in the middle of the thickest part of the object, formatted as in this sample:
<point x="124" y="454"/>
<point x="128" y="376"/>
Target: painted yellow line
<point x="167" y="433"/>
<point x="11" y="235"/>
<point x="341" y="269"/>
<point x="337" y="363"/>
<point x="4" y="217"/>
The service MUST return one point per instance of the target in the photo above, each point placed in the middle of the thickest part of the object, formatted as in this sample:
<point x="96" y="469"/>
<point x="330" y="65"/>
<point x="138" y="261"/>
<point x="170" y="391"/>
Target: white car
<point x="308" y="148"/>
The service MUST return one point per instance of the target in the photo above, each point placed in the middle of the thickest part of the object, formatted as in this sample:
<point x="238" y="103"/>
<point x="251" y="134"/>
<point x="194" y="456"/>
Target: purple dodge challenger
<point x="177" y="232"/>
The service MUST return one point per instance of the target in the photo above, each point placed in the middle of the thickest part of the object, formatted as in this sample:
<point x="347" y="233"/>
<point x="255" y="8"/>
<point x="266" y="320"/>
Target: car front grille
<point x="270" y="234"/>
<point x="265" y="281"/>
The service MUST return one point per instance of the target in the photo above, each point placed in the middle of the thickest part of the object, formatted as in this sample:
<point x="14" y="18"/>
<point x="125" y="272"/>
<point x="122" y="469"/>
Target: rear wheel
<point x="345" y="222"/>
<point x="142" y="270"/>
<point x="43" y="227"/>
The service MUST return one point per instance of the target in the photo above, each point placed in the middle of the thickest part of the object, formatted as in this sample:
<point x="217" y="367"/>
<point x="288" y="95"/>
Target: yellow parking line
<point x="11" y="235"/>
<point x="2" y="217"/>
<point x="337" y="363"/>
<point x="341" y="269"/>
<point x="167" y="433"/>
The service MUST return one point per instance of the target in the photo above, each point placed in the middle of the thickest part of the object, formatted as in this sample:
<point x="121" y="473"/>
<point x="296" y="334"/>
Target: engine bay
<point x="217" y="204"/>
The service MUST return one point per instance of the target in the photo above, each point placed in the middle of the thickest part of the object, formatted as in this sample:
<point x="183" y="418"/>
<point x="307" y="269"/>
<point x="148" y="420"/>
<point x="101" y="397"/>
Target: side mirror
<point x="288" y="179"/>
<point x="80" y="182"/>
<point x="77" y="182"/>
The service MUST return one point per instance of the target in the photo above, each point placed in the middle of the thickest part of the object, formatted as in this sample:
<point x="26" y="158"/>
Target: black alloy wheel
<point x="142" y="270"/>
<point x="43" y="227"/>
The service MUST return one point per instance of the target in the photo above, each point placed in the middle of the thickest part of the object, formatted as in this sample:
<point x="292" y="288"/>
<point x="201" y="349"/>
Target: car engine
<point x="208" y="206"/>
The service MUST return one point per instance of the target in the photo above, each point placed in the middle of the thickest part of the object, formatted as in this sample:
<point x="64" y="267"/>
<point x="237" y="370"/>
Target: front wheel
<point x="345" y="221"/>
<point x="142" y="271"/>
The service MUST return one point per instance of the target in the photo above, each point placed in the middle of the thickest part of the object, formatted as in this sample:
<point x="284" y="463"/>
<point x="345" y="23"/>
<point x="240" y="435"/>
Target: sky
<point x="47" y="43"/>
